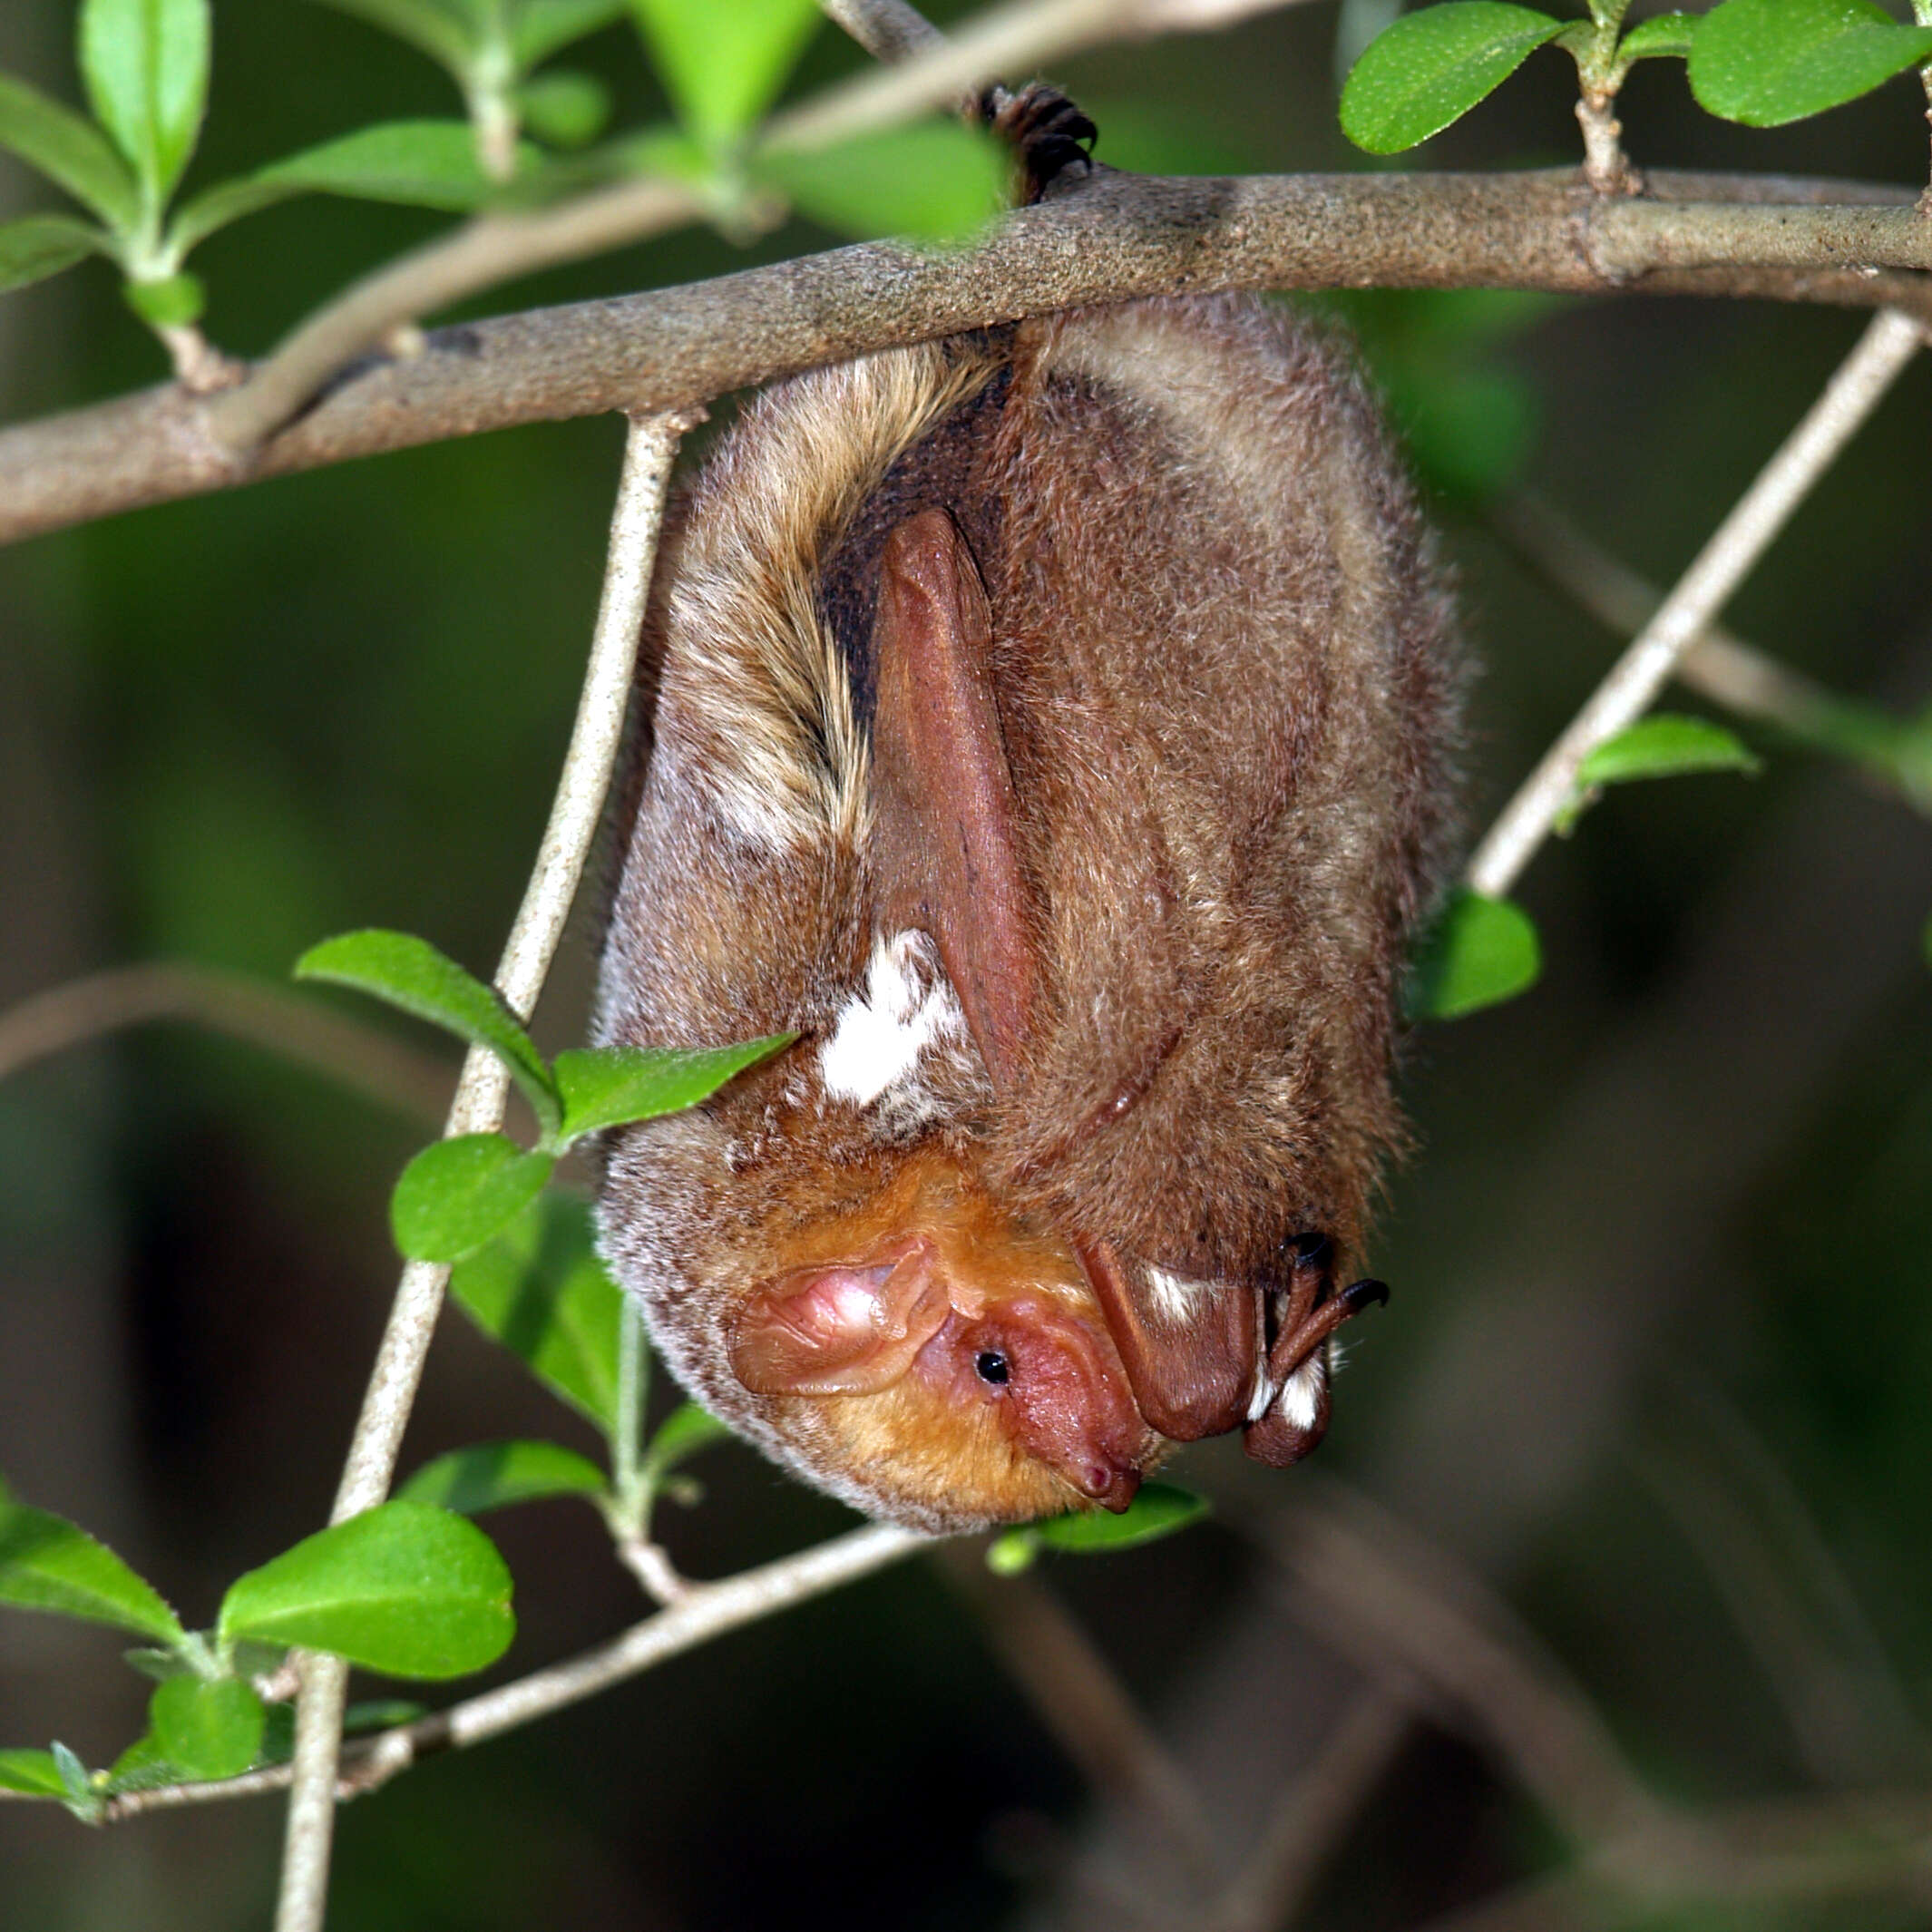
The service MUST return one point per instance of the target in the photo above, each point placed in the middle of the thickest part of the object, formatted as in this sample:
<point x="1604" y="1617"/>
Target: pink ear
<point x="840" y="1328"/>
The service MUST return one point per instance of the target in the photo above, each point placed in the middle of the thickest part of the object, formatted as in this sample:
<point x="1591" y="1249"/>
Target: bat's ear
<point x="840" y="1328"/>
<point x="946" y="851"/>
<point x="1191" y="1350"/>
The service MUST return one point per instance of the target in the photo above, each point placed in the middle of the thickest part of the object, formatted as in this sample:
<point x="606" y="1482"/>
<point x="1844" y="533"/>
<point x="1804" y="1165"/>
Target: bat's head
<point x="931" y="1348"/>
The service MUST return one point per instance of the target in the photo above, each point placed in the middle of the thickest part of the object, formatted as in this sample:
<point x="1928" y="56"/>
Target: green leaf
<point x="565" y="108"/>
<point x="172" y="301"/>
<point x="409" y="972"/>
<point x="682" y="1433"/>
<point x="1661" y="35"/>
<point x="38" y="246"/>
<point x="493" y="1474"/>
<point x="934" y="181"/>
<point x="141" y="1766"/>
<point x="540" y="1291"/>
<point x="607" y="1085"/>
<point x="542" y="26"/>
<point x="145" y="63"/>
<point x="70" y="152"/>
<point x="404" y="1589"/>
<point x="82" y="1797"/>
<point x="206" y="1730"/>
<point x="1766" y="62"/>
<point x="159" y="1664"/>
<point x="458" y="1193"/>
<point x="1431" y="67"/>
<point x="32" y="1773"/>
<point x="47" y="1563"/>
<point x="1477" y="952"/>
<point x="723" y="62"/>
<point x="1159" y="1509"/>
<point x="444" y="33"/>
<point x="1664" y="745"/>
<point x="1016" y="1551"/>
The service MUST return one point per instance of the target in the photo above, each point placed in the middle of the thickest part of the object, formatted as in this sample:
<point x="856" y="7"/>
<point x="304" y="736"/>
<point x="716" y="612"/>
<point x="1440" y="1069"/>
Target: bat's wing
<point x="948" y="861"/>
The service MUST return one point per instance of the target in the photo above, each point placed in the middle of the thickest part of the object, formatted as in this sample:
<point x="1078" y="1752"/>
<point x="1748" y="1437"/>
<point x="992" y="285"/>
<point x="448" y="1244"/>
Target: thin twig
<point x="258" y="1012"/>
<point x="706" y="1610"/>
<point x="1402" y="1611"/>
<point x="1313" y="1812"/>
<point x="889" y="30"/>
<point x="648" y="454"/>
<point x="1721" y="665"/>
<point x="1083" y="1702"/>
<point x="1121" y="237"/>
<point x="1888" y="343"/>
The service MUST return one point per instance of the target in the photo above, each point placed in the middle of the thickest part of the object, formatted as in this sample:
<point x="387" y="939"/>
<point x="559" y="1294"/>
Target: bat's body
<point x="1049" y="727"/>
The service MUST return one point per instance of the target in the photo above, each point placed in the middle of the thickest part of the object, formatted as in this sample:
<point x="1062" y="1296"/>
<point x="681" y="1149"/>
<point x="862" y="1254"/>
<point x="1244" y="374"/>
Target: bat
<point x="1053" y="728"/>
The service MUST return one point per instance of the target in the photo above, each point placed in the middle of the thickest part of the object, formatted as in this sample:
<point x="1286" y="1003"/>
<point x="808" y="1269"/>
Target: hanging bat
<point x="1050" y="727"/>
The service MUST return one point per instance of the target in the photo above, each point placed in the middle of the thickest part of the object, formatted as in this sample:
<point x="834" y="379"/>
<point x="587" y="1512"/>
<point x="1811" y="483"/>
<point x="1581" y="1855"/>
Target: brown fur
<point x="1227" y="691"/>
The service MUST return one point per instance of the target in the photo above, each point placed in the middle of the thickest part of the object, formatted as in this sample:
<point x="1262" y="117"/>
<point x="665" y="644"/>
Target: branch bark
<point x="1121" y="236"/>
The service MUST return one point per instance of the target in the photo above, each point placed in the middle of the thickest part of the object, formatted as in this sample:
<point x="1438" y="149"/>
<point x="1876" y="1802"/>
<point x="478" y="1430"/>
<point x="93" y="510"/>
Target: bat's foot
<point x="1045" y="129"/>
<point x="1295" y="1416"/>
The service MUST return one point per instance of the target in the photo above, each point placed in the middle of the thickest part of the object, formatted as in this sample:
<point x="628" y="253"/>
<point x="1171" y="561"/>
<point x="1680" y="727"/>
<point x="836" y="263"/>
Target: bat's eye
<point x="991" y="1366"/>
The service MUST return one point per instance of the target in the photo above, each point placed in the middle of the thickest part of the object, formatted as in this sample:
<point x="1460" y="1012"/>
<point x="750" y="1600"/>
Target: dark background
<point x="1662" y="1339"/>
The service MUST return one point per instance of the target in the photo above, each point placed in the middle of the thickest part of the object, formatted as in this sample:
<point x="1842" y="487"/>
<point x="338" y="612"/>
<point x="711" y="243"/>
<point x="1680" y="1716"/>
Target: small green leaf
<point x="145" y="63"/>
<point x="32" y="1773"/>
<point x="682" y="1433"/>
<point x="47" y="1563"/>
<point x="206" y="1730"/>
<point x="723" y="62"/>
<point x="421" y="163"/>
<point x="404" y="1589"/>
<point x="458" y="1193"/>
<point x="1009" y="1556"/>
<point x="935" y="180"/>
<point x="169" y="303"/>
<point x="540" y="1291"/>
<point x="75" y="1779"/>
<point x="565" y="108"/>
<point x="1159" y="1509"/>
<point x="38" y="246"/>
<point x="70" y="152"/>
<point x="445" y="33"/>
<point x="1766" y="62"/>
<point x="608" y="1085"/>
<point x="1664" y="35"/>
<point x="409" y="972"/>
<point x="141" y="1766"/>
<point x="1476" y="952"/>
<point x="1431" y="68"/>
<point x="492" y="1474"/>
<point x="159" y="1664"/>
<point x="1664" y="745"/>
<point x="539" y="27"/>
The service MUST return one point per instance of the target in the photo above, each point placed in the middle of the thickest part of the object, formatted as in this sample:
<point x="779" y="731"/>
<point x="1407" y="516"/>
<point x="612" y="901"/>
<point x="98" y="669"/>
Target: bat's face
<point x="948" y="1348"/>
<point x="1049" y="732"/>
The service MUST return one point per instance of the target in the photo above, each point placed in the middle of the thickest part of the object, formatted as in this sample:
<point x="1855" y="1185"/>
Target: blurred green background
<point x="1660" y="1354"/>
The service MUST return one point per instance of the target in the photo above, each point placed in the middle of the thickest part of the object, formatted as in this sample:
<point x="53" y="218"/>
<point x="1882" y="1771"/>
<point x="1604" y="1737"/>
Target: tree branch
<point x="706" y="1610"/>
<point x="889" y="30"/>
<point x="1121" y="236"/>
<point x="263" y="1014"/>
<point x="478" y="1108"/>
<point x="1888" y="343"/>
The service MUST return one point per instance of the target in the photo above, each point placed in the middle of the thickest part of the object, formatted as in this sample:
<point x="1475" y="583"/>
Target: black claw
<point x="1308" y="1249"/>
<point x="1363" y="1294"/>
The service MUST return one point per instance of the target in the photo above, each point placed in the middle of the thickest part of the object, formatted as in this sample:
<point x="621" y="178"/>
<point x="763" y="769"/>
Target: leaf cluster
<point x="1759" y="63"/>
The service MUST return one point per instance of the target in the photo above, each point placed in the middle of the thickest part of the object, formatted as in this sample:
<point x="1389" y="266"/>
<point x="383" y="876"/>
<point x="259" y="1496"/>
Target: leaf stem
<point x="1888" y="343"/>
<point x="478" y="1108"/>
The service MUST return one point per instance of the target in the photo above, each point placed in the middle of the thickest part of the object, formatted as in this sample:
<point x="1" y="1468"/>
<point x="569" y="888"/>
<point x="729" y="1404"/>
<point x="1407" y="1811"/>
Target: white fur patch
<point x="1302" y="1392"/>
<point x="882" y="1033"/>
<point x="1174" y="1294"/>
